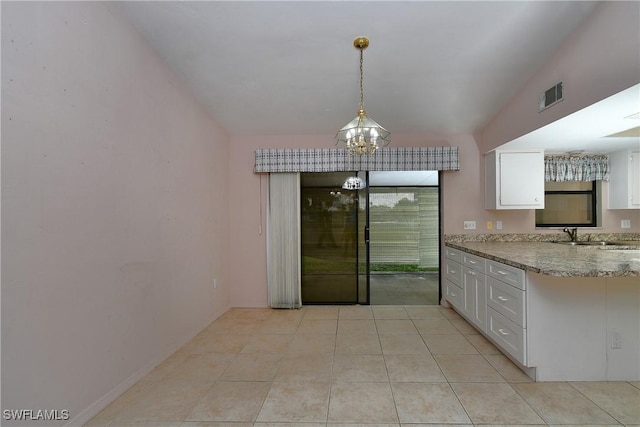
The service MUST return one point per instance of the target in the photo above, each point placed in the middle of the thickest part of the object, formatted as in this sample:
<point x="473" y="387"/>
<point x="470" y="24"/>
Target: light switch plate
<point x="469" y="225"/>
<point x="498" y="225"/>
<point x="625" y="223"/>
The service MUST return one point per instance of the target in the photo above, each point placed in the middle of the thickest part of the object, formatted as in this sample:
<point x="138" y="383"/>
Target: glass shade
<point x="353" y="183"/>
<point x="363" y="135"/>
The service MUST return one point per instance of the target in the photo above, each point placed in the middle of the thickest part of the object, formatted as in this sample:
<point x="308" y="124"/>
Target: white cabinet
<point x="506" y="311"/>
<point x="453" y="290"/>
<point x="514" y="179"/>
<point x="475" y="300"/>
<point x="554" y="328"/>
<point x="465" y="285"/>
<point x="624" y="179"/>
<point x="492" y="296"/>
<point x="474" y="286"/>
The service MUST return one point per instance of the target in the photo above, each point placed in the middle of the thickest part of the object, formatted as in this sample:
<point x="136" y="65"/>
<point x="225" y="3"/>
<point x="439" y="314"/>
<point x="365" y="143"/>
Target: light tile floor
<point x="352" y="365"/>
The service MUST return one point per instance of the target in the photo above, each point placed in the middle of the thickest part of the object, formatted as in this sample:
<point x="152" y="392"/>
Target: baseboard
<point x="96" y="407"/>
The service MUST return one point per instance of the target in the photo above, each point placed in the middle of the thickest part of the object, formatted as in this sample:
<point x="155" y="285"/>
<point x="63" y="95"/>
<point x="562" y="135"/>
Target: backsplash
<point x="537" y="237"/>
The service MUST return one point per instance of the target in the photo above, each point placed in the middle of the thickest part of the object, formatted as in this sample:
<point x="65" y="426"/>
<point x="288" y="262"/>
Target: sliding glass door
<point x="330" y="222"/>
<point x="376" y="245"/>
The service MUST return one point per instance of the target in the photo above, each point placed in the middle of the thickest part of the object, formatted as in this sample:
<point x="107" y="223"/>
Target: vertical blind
<point x="283" y="241"/>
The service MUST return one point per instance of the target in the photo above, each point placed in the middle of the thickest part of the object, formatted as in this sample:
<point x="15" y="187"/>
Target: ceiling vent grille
<point x="550" y="97"/>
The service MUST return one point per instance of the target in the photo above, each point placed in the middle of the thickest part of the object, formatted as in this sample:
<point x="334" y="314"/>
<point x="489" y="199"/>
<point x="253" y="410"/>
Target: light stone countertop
<point x="557" y="259"/>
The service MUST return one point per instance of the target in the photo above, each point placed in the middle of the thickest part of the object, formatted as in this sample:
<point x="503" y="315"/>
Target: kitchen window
<point x="569" y="204"/>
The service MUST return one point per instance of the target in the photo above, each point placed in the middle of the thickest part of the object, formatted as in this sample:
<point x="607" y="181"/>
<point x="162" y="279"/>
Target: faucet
<point x="572" y="232"/>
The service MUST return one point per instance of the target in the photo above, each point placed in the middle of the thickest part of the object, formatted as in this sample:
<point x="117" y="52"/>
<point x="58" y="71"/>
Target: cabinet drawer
<point x="453" y="254"/>
<point x="510" y="337"/>
<point x="511" y="275"/>
<point x="506" y="300"/>
<point x="474" y="262"/>
<point x="454" y="294"/>
<point x="453" y="271"/>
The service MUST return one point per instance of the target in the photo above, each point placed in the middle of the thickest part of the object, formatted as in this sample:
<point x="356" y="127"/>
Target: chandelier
<point x="362" y="135"/>
<point x="354" y="183"/>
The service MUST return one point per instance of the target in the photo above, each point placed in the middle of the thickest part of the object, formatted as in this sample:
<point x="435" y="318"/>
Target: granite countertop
<point x="557" y="259"/>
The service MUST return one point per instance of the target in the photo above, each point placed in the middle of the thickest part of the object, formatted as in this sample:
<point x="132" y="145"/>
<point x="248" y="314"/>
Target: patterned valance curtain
<point x="561" y="168"/>
<point x="339" y="160"/>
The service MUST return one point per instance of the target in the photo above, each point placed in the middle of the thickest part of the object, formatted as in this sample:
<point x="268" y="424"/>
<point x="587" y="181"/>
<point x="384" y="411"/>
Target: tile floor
<point x="337" y="365"/>
<point x="405" y="288"/>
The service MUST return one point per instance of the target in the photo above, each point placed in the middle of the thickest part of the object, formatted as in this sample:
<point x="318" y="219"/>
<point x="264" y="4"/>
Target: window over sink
<point x="570" y="204"/>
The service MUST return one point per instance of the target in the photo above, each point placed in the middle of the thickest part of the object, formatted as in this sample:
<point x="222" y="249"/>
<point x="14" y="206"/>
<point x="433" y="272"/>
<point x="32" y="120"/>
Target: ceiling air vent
<point x="550" y="97"/>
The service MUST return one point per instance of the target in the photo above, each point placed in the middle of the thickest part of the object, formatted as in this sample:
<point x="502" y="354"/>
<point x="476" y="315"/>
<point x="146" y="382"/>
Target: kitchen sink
<point x="594" y="243"/>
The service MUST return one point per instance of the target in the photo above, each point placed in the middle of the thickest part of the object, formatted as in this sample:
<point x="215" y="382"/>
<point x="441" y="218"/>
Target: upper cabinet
<point x="514" y="179"/>
<point x="624" y="179"/>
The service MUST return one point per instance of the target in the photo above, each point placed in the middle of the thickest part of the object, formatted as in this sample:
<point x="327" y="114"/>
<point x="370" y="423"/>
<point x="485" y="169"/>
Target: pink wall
<point x="599" y="59"/>
<point x="114" y="208"/>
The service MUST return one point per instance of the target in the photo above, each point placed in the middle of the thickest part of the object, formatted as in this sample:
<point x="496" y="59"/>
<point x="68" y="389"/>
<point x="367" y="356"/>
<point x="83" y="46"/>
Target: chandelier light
<point x="353" y="183"/>
<point x="362" y="135"/>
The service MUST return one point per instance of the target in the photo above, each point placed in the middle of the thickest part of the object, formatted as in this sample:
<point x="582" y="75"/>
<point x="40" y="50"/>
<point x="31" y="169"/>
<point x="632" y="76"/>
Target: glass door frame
<point x="362" y="250"/>
<point x="363" y="265"/>
<point x="329" y="262"/>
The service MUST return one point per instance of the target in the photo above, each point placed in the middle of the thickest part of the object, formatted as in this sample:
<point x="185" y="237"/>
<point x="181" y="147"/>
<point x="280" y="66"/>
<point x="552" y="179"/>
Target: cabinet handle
<point x="471" y="262"/>
<point x="503" y="299"/>
<point x="453" y="295"/>
<point x="504" y="273"/>
<point x="453" y="271"/>
<point x="473" y="273"/>
<point x="503" y="332"/>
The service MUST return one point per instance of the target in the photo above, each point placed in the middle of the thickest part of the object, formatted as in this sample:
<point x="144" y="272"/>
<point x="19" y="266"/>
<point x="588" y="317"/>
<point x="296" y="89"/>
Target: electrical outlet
<point x="616" y="340"/>
<point x="469" y="225"/>
<point x="498" y="225"/>
<point x="625" y="223"/>
<point x="489" y="225"/>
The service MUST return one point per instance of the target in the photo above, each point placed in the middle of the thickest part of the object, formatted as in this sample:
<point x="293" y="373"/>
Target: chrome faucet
<point x="572" y="232"/>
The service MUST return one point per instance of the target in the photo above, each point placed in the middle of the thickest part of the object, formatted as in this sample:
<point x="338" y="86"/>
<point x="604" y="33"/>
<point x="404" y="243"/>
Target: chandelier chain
<point x="361" y="85"/>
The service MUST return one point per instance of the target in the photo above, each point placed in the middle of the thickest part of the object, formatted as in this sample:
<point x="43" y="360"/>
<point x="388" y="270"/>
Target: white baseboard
<point x="96" y="407"/>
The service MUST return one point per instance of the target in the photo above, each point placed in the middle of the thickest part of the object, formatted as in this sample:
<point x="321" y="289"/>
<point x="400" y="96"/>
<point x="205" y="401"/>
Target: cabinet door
<point x="521" y="179"/>
<point x="480" y="301"/>
<point x="624" y="179"/>
<point x="453" y="271"/>
<point x="455" y="295"/>
<point x="634" y="177"/>
<point x="509" y="336"/>
<point x="475" y="300"/>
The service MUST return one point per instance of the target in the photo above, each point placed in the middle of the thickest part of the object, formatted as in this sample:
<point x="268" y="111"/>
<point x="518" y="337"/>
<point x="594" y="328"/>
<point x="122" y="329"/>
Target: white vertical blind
<point x="283" y="241"/>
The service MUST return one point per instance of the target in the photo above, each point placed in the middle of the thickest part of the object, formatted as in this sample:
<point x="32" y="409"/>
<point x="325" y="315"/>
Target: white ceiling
<point x="291" y="68"/>
<point x="598" y="128"/>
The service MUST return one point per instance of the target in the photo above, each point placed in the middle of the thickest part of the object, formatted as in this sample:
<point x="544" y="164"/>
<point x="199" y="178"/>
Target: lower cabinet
<point x="554" y="328"/>
<point x="475" y="299"/>
<point x="454" y="294"/>
<point x="490" y="295"/>
<point x="507" y="335"/>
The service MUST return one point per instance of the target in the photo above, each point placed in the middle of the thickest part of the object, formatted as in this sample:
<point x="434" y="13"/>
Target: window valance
<point x="561" y="168"/>
<point x="339" y="160"/>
